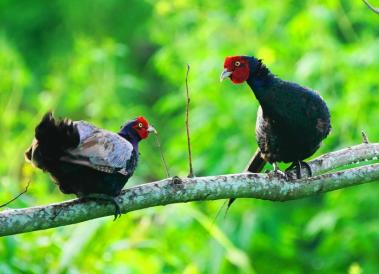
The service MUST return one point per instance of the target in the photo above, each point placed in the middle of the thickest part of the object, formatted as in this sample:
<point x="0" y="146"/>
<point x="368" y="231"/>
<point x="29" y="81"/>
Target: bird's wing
<point x="99" y="149"/>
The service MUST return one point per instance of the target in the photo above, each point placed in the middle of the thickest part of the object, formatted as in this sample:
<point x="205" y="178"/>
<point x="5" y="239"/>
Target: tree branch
<point x="169" y="191"/>
<point x="376" y="10"/>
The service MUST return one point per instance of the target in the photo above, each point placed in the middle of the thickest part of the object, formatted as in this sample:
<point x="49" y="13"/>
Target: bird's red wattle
<point x="241" y="75"/>
<point x="143" y="133"/>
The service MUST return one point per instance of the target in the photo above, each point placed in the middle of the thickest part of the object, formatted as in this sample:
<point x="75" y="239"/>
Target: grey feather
<point x="100" y="149"/>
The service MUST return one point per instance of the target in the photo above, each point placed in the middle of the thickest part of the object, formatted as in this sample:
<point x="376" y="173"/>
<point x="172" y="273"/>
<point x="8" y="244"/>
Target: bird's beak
<point x="152" y="129"/>
<point x="224" y="74"/>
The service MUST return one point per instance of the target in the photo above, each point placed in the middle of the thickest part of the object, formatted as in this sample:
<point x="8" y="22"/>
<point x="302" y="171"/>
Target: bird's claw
<point x="280" y="173"/>
<point x="117" y="212"/>
<point x="308" y="168"/>
<point x="298" y="165"/>
<point x="104" y="197"/>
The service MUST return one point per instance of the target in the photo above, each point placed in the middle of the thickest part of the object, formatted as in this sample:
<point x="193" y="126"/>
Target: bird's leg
<point x="278" y="171"/>
<point x="108" y="198"/>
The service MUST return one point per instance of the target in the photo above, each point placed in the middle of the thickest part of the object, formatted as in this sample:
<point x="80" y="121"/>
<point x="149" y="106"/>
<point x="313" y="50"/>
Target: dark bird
<point x="87" y="161"/>
<point x="292" y="120"/>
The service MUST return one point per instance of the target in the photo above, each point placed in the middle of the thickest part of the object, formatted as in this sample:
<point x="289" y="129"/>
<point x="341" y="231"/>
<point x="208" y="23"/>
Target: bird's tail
<point x="52" y="137"/>
<point x="56" y="133"/>
<point x="256" y="164"/>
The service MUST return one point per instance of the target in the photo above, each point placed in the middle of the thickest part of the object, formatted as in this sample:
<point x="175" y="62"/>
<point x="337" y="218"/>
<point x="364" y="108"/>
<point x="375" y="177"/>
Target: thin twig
<point x="190" y="175"/>
<point x="376" y="10"/>
<point x="15" y="198"/>
<point x="157" y="141"/>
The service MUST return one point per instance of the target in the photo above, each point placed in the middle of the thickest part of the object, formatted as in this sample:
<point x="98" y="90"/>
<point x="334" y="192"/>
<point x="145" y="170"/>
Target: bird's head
<point x="138" y="127"/>
<point x="237" y="68"/>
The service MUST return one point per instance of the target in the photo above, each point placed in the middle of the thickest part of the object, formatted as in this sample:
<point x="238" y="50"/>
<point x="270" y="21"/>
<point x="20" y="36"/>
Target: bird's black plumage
<point x="85" y="160"/>
<point x="292" y="120"/>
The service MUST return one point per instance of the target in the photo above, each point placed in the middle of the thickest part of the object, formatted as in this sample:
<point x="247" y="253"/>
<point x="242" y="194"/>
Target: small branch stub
<point x="365" y="138"/>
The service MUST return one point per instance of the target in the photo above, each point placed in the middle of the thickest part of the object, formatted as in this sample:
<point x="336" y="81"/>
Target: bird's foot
<point x="278" y="172"/>
<point x="108" y="198"/>
<point x="298" y="165"/>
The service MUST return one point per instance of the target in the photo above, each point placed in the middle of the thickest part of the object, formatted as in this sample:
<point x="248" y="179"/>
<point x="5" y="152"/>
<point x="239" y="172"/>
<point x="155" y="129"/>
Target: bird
<point x="292" y="120"/>
<point x="82" y="159"/>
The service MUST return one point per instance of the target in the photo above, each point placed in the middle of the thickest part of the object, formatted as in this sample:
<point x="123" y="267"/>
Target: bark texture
<point x="268" y="186"/>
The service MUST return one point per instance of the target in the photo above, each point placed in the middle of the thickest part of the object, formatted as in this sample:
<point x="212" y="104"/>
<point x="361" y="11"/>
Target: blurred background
<point x="109" y="61"/>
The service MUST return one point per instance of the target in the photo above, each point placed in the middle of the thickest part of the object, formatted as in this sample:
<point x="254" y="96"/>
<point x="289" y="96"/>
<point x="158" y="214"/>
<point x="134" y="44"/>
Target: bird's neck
<point x="260" y="80"/>
<point x="133" y="138"/>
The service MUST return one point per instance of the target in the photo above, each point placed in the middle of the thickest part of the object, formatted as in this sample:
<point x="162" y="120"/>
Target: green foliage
<point x="108" y="61"/>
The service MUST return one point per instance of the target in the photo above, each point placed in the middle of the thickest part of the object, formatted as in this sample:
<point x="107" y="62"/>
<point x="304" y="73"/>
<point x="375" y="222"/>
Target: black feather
<point x="53" y="137"/>
<point x="293" y="120"/>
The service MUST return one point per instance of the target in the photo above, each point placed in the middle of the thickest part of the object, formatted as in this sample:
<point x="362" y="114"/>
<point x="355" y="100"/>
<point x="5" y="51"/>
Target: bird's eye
<point x="140" y="125"/>
<point x="237" y="64"/>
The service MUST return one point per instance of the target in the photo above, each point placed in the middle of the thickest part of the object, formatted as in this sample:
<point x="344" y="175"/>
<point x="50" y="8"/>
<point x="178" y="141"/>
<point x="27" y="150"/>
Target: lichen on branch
<point x="178" y="190"/>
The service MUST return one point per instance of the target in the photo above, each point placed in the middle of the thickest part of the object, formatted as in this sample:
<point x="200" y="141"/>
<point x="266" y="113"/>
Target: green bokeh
<point x="108" y="61"/>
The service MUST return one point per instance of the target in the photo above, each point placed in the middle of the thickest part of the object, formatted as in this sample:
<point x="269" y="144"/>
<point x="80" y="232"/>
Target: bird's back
<point x="81" y="158"/>
<point x="293" y="121"/>
<point x="297" y="107"/>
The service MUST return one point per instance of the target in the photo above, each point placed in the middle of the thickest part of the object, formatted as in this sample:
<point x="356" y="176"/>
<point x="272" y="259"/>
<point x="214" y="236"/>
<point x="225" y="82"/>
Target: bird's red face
<point x="142" y="127"/>
<point x="236" y="68"/>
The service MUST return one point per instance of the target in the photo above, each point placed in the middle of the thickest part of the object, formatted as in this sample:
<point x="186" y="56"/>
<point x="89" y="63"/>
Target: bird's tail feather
<point x="256" y="164"/>
<point x="28" y="153"/>
<point x="56" y="133"/>
<point x="52" y="137"/>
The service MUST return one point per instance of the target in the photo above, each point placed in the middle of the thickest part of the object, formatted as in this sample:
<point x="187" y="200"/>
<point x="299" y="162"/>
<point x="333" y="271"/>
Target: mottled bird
<point x="292" y="120"/>
<point x="85" y="160"/>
